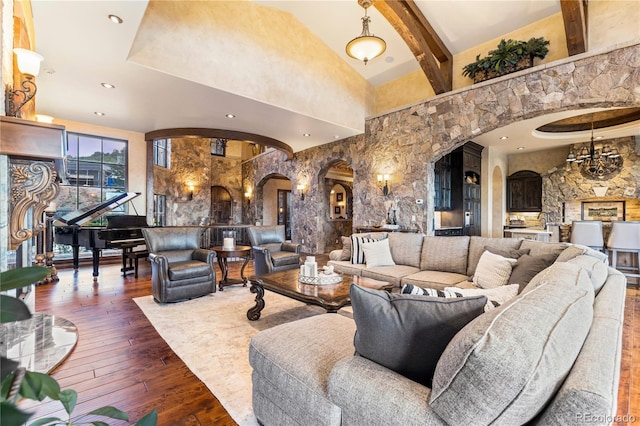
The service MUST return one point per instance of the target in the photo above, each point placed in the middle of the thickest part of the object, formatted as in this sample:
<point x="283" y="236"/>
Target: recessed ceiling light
<point x="99" y="114"/>
<point x="107" y="86"/>
<point x="230" y="116"/>
<point x="115" y="19"/>
<point x="504" y="138"/>
<point x="306" y="135"/>
<point x="389" y="59"/>
<point x="520" y="148"/>
<point x="336" y="137"/>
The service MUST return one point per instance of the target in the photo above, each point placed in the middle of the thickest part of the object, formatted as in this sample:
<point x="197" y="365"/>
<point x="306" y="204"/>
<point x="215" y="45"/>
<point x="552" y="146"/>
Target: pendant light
<point x="366" y="46"/>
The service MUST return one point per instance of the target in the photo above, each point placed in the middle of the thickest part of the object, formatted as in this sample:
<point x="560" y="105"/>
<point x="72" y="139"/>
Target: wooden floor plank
<point x="120" y="359"/>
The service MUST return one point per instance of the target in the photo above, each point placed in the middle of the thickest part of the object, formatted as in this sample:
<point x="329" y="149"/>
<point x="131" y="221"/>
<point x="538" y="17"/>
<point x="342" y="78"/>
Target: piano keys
<point x="122" y="231"/>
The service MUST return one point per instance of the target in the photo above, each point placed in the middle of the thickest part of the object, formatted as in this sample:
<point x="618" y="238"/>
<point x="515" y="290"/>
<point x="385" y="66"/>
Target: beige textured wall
<point x="254" y="51"/>
<point x="538" y="161"/>
<point x="612" y="22"/>
<point x="137" y="155"/>
<point x="402" y="91"/>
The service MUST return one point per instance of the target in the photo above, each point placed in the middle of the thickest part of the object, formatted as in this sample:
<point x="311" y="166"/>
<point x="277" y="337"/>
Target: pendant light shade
<point x="366" y="46"/>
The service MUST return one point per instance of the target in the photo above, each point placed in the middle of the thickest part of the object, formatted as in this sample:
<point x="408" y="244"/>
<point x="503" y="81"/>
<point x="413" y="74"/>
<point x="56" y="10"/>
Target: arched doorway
<point x="276" y="202"/>
<point x="335" y="186"/>
<point x="221" y="206"/>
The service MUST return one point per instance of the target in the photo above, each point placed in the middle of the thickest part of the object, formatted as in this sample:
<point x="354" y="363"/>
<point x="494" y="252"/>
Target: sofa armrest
<point x="262" y="263"/>
<point x="204" y="255"/>
<point x="292" y="247"/>
<point x="355" y="384"/>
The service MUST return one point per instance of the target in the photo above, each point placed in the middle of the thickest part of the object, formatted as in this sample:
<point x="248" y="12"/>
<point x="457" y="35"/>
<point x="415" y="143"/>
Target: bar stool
<point x="625" y="237"/>
<point x="587" y="233"/>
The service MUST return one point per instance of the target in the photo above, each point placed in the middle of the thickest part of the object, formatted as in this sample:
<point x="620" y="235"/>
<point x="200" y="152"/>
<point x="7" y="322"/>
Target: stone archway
<point x="336" y="172"/>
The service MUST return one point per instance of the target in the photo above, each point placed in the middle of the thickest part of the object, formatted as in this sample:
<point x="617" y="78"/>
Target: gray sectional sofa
<point x="550" y="356"/>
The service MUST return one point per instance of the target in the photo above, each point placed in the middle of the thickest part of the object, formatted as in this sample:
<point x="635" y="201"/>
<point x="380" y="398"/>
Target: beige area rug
<point x="211" y="335"/>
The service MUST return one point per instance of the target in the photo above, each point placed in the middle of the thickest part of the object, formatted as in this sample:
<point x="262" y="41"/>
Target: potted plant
<point x="17" y="382"/>
<point x="509" y="56"/>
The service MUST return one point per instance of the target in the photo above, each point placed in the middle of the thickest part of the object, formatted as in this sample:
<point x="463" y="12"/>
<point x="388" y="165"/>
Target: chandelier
<point x="366" y="46"/>
<point x="600" y="163"/>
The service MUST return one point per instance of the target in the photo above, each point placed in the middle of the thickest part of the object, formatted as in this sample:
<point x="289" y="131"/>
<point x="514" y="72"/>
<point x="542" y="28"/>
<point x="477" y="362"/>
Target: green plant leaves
<point x="68" y="398"/>
<point x="110" y="412"/>
<point x="22" y="277"/>
<point x="13" y="309"/>
<point x="11" y="415"/>
<point x="150" y="419"/>
<point x="38" y="386"/>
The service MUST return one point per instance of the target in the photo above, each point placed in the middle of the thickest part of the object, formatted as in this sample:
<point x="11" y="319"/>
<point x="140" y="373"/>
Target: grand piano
<point x="122" y="231"/>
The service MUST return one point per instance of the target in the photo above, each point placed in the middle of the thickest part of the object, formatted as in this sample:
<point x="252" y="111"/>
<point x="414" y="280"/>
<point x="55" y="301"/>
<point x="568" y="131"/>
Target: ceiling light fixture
<point x="115" y="19"/>
<point x="504" y="138"/>
<point x="306" y="135"/>
<point x="596" y="163"/>
<point x="99" y="114"/>
<point x="230" y="116"/>
<point x="107" y="86"/>
<point x="520" y="148"/>
<point x="29" y="65"/>
<point x="366" y="46"/>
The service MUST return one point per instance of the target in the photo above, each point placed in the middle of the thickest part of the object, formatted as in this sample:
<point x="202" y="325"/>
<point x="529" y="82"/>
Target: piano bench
<point x="134" y="256"/>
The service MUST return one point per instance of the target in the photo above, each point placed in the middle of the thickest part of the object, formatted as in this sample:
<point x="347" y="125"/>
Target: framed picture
<point x="218" y="147"/>
<point x="339" y="196"/>
<point x="336" y="210"/>
<point x="606" y="211"/>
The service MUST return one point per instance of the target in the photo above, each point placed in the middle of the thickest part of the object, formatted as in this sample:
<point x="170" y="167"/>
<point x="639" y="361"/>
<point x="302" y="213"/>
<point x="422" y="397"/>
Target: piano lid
<point x="87" y="214"/>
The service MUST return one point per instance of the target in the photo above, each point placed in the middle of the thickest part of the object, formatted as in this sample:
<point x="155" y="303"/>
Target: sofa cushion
<point x="405" y="248"/>
<point x="477" y="246"/>
<point x="391" y="274"/>
<point x="481" y="379"/>
<point x="346" y="267"/>
<point x="346" y="248"/>
<point x="493" y="270"/>
<point x="357" y="253"/>
<point x="433" y="279"/>
<point x="281" y="258"/>
<point x="595" y="267"/>
<point x="495" y="296"/>
<point x="188" y="269"/>
<point x="408" y="333"/>
<point x="447" y="254"/>
<point x="291" y="366"/>
<point x="528" y="267"/>
<point x="539" y="248"/>
<point x="377" y="253"/>
<point x="576" y="250"/>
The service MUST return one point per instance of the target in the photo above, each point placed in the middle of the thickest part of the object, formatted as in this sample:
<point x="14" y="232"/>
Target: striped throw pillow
<point x="357" y="253"/>
<point x="447" y="292"/>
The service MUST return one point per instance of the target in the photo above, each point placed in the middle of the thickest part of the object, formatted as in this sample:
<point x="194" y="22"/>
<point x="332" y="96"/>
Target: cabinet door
<point x="524" y="192"/>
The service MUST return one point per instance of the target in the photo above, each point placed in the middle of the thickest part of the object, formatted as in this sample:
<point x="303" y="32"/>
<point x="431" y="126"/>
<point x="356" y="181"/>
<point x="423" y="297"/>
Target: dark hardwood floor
<point x="121" y="360"/>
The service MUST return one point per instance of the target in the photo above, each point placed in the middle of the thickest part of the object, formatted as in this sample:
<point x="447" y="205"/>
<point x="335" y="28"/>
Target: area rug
<point x="211" y="335"/>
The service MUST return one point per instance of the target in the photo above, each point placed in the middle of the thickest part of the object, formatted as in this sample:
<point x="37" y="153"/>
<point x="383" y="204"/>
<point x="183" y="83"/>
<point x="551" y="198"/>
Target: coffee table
<point x="243" y="252"/>
<point x="329" y="296"/>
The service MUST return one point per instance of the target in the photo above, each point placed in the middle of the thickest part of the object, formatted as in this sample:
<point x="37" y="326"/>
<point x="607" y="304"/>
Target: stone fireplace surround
<point x="406" y="142"/>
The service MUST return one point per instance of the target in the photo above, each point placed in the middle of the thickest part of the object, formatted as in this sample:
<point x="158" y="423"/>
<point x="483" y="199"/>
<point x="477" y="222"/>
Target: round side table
<point x="243" y="252"/>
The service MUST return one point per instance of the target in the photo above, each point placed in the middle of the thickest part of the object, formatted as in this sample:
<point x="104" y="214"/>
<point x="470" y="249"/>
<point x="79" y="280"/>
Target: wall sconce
<point x="191" y="189"/>
<point x="301" y="191"/>
<point x="247" y="195"/>
<point x="385" y="188"/>
<point x="29" y="66"/>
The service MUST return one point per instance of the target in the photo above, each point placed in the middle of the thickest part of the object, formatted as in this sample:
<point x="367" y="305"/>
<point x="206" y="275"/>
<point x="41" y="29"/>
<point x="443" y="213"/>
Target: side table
<point x="243" y="252"/>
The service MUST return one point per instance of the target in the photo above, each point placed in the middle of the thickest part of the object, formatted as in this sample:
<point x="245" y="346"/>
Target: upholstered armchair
<point x="180" y="269"/>
<point x="271" y="252"/>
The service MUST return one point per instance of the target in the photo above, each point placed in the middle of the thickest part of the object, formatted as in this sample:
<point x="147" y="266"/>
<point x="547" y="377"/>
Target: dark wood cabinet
<point x="524" y="192"/>
<point x="457" y="182"/>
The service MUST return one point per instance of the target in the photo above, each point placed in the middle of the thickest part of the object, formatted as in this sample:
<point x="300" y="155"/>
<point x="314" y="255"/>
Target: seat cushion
<point x="346" y="267"/>
<point x="188" y="269"/>
<point x="392" y="274"/>
<point x="282" y="258"/>
<point x="481" y="379"/>
<point x="405" y="248"/>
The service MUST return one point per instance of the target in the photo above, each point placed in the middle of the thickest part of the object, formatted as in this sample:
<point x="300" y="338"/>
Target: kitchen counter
<point x="529" y="234"/>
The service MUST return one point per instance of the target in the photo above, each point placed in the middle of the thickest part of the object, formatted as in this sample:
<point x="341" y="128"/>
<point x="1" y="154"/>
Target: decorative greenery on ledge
<point x="509" y="56"/>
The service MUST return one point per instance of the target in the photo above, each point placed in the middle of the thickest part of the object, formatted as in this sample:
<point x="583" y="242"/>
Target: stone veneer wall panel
<point x="405" y="143"/>
<point x="227" y="173"/>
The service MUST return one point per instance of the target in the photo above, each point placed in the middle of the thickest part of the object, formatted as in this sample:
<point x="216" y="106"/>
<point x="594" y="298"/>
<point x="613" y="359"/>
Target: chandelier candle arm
<point x="594" y="163"/>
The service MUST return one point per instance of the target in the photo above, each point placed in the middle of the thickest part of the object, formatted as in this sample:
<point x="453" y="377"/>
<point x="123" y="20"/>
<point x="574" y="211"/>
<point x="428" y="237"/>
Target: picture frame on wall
<point x="606" y="211"/>
<point x="339" y="196"/>
<point x="218" y="147"/>
<point x="336" y="210"/>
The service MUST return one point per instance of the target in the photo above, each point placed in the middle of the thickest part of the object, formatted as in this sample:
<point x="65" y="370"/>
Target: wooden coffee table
<point x="331" y="296"/>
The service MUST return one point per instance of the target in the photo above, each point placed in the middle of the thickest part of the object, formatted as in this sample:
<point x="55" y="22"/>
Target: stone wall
<point x="405" y="143"/>
<point x="564" y="185"/>
<point x="227" y="173"/>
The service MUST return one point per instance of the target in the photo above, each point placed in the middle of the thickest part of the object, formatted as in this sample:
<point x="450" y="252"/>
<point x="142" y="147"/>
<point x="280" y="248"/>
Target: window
<point x="161" y="150"/>
<point x="159" y="210"/>
<point x="218" y="147"/>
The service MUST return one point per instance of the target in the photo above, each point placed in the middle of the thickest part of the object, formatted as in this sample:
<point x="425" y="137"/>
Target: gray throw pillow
<point x="407" y="333"/>
<point x="528" y="267"/>
<point x="511" y="254"/>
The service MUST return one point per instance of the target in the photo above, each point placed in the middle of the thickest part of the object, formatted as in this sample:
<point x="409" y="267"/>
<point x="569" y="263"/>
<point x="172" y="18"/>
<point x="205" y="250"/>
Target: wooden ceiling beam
<point x="574" y="15"/>
<point x="433" y="56"/>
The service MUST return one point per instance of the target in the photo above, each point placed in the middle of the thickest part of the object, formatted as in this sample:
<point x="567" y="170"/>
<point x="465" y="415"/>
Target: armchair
<point x="179" y="268"/>
<point x="271" y="252"/>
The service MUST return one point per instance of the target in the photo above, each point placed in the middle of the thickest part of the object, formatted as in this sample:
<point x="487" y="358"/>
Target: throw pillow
<point x="377" y="253"/>
<point x="346" y="248"/>
<point x="511" y="254"/>
<point x="495" y="296"/>
<point x="493" y="270"/>
<point x="528" y="267"/>
<point x="408" y="333"/>
<point x="357" y="254"/>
